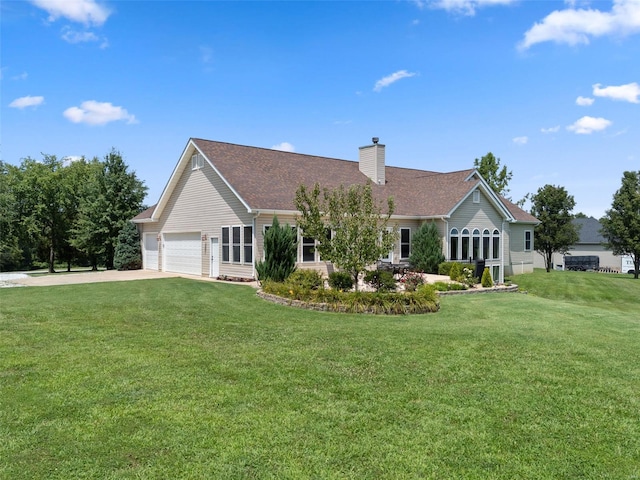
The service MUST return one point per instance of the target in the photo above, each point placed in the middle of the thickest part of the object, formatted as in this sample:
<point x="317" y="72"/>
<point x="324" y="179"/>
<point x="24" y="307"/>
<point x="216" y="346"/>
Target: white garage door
<point x="182" y="253"/>
<point x="150" y="254"/>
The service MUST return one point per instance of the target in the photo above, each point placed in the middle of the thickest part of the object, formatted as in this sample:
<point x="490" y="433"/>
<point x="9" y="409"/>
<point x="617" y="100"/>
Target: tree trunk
<point x="52" y="257"/>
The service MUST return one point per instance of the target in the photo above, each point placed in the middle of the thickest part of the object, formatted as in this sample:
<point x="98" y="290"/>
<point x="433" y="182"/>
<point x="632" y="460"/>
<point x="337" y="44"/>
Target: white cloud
<point x="465" y="7"/>
<point x="22" y="76"/>
<point x="551" y="129"/>
<point x="628" y="93"/>
<point x="28" y="101"/>
<point x="588" y="125"/>
<point x="69" y="159"/>
<point x="88" y="12"/>
<point x="584" y="101"/>
<point x="389" y="79"/>
<point x="575" y="26"/>
<point x="520" y="140"/>
<point x="97" y="113"/>
<point x="284" y="147"/>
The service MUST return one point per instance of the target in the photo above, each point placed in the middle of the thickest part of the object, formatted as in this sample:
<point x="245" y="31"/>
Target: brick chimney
<point x="371" y="161"/>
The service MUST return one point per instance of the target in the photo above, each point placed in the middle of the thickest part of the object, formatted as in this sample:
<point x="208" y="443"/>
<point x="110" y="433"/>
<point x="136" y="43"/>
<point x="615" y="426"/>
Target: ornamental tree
<point x="621" y="223"/>
<point x="349" y="226"/>
<point x="556" y="232"/>
<point x="280" y="247"/>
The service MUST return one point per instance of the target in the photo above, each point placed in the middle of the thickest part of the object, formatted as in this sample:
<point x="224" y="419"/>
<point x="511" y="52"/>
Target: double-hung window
<point x="486" y="241"/>
<point x="225" y="244"/>
<point x="308" y="249"/>
<point x="528" y="241"/>
<point x="405" y="243"/>
<point x="248" y="244"/>
<point x="237" y="244"/>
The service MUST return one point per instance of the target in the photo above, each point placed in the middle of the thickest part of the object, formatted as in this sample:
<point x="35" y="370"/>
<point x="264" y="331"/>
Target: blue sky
<point x="552" y="88"/>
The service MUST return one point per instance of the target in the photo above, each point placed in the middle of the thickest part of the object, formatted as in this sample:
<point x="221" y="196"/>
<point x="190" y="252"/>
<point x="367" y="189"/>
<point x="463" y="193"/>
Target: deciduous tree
<point x="621" y="223"/>
<point x="497" y="178"/>
<point x="552" y="205"/>
<point x="349" y="226"/>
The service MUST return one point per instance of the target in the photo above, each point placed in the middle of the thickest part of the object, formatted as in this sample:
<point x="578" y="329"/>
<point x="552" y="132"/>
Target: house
<point x="220" y="198"/>
<point x="590" y="243"/>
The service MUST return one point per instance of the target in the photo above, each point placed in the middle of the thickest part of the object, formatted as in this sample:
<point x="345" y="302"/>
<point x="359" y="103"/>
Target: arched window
<point x="453" y="244"/>
<point x="486" y="241"/>
<point x="476" y="244"/>
<point x="496" y="244"/>
<point x="465" y="244"/>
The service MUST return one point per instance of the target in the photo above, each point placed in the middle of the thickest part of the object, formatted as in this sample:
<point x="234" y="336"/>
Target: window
<point x="527" y="241"/>
<point x="405" y="243"/>
<point x="453" y="255"/>
<point x="236" y="244"/>
<point x="248" y="244"/>
<point x="476" y="244"/>
<point x="465" y="244"/>
<point x="496" y="244"/>
<point x="225" y="244"/>
<point x="476" y="196"/>
<point x="486" y="241"/>
<point x="197" y="161"/>
<point x="308" y="249"/>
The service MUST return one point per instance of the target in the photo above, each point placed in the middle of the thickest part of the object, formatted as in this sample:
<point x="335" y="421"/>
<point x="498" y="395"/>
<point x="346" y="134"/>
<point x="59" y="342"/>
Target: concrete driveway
<point x="23" y="280"/>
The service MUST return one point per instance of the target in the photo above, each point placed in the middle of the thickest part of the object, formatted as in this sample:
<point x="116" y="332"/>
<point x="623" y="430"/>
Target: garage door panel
<point x="183" y="253"/>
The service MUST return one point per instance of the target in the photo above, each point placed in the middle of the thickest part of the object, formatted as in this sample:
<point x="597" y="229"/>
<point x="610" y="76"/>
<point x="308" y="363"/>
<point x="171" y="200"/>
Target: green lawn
<point x="177" y="378"/>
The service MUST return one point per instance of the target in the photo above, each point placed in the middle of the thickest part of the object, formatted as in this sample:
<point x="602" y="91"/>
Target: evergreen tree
<point x="280" y="251"/>
<point x="426" y="249"/>
<point x="128" y="253"/>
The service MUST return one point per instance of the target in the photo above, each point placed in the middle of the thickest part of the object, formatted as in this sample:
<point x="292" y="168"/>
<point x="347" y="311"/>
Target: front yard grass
<point x="176" y="378"/>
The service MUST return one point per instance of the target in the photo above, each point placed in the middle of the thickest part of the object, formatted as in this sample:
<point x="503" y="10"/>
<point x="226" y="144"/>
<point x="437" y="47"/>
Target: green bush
<point x="381" y="280"/>
<point x="426" y="249"/>
<point x="467" y="277"/>
<point x="446" y="286"/>
<point x="455" y="272"/>
<point x="412" y="281"/>
<point x="280" y="252"/>
<point x="423" y="300"/>
<point x="341" y="281"/>
<point x="305" y="279"/>
<point x="487" y="281"/>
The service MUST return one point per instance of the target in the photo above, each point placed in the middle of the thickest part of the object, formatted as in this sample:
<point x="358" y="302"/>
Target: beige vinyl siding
<point x="519" y="261"/>
<point x="476" y="215"/>
<point x="201" y="201"/>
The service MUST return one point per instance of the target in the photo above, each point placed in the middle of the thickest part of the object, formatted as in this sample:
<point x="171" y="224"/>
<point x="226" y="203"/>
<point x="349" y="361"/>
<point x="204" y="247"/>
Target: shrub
<point x="280" y="252"/>
<point x="381" y="280"/>
<point x="455" y="272"/>
<point x="487" y="281"/>
<point x="426" y="249"/>
<point x="128" y="254"/>
<point x="305" y="279"/>
<point x="412" y="281"/>
<point x="446" y="286"/>
<point x="467" y="277"/>
<point x="341" y="281"/>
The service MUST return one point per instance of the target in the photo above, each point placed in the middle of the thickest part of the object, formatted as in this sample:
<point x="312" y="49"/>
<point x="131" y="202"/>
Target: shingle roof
<point x="268" y="179"/>
<point x="589" y="230"/>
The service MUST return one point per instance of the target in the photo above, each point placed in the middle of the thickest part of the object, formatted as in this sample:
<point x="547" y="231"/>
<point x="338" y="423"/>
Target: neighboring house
<point x="590" y="242"/>
<point x="220" y="198"/>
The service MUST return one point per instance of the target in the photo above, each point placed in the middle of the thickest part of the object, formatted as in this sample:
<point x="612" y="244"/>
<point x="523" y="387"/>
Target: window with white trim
<point x="405" y="243"/>
<point x="225" y="244"/>
<point x="248" y="243"/>
<point x="308" y="249"/>
<point x="496" y="244"/>
<point x="465" y="244"/>
<point x="476" y="244"/>
<point x="453" y="254"/>
<point x="528" y="241"/>
<point x="197" y="161"/>
<point x="486" y="242"/>
<point x="237" y="244"/>
<point x="476" y="196"/>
